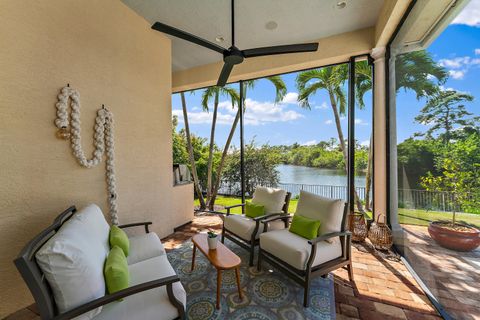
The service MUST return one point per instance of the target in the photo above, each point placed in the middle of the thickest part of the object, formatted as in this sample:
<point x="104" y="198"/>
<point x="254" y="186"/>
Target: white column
<point x="379" y="133"/>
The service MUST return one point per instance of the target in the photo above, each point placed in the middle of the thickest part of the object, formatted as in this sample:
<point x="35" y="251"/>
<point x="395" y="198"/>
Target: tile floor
<point x="383" y="288"/>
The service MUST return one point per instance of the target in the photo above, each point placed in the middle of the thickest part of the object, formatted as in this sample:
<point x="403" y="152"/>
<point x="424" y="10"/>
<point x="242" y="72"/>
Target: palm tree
<point x="332" y="80"/>
<point x="191" y="157"/>
<point x="413" y="71"/>
<point x="280" y="92"/>
<point x="209" y="93"/>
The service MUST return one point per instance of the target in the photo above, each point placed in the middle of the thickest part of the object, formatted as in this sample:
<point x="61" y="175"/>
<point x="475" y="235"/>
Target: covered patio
<point x="108" y="51"/>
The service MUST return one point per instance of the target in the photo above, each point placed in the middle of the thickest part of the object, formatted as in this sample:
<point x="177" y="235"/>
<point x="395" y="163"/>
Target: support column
<point x="380" y="133"/>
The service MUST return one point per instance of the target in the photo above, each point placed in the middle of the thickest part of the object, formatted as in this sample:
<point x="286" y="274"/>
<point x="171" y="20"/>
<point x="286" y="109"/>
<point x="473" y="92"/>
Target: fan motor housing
<point x="233" y="56"/>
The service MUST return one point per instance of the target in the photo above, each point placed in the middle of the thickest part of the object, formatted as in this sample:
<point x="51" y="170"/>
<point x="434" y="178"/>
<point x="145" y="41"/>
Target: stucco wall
<point x="111" y="56"/>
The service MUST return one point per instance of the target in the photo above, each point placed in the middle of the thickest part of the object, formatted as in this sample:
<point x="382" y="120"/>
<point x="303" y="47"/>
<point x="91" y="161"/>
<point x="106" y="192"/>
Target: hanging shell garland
<point x="102" y="140"/>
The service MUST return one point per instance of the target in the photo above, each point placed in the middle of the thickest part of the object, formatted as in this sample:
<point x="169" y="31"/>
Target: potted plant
<point x="212" y="240"/>
<point x="454" y="183"/>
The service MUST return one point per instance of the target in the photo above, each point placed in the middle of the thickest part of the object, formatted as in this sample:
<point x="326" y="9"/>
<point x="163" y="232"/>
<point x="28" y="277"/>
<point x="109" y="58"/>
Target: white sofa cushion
<point x="243" y="226"/>
<point x="295" y="250"/>
<point x="72" y="260"/>
<point x="272" y="199"/>
<point x="328" y="211"/>
<point x="144" y="246"/>
<point x="150" y="304"/>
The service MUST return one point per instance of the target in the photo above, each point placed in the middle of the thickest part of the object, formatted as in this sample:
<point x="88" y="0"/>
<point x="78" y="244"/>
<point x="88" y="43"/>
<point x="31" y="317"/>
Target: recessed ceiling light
<point x="341" y="4"/>
<point x="219" y="38"/>
<point x="271" y="25"/>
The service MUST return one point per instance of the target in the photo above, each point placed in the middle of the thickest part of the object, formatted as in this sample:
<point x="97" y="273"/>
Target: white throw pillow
<point x="72" y="260"/>
<point x="272" y="199"/>
<point x="328" y="211"/>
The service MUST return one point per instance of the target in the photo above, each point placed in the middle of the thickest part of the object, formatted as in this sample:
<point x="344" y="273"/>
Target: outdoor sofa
<point x="63" y="268"/>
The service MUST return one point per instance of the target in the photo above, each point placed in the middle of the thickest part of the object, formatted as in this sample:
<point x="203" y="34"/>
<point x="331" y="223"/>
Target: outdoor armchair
<point x="301" y="258"/>
<point x="245" y="231"/>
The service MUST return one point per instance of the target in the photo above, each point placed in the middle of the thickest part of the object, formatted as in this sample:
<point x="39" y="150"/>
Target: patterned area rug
<point x="267" y="294"/>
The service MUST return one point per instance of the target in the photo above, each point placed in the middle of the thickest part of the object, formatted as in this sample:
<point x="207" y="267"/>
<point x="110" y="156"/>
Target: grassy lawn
<point x="406" y="216"/>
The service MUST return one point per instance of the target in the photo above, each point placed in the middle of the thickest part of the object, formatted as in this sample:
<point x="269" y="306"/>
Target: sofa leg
<point x="350" y="271"/>
<point x="223" y="235"/>
<point x="306" y="292"/>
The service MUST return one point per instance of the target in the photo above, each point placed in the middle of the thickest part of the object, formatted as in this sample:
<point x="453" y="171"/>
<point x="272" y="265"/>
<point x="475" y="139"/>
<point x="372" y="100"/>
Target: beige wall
<point x="182" y="196"/>
<point x="111" y="56"/>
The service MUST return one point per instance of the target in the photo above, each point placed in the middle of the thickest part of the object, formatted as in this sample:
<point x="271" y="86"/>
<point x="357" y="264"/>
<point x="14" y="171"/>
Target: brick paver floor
<point x="383" y="287"/>
<point x="453" y="277"/>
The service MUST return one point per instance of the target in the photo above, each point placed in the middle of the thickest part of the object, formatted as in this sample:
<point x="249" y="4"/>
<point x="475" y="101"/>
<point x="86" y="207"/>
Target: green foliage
<point x="415" y="159"/>
<point x="179" y="146"/>
<point x="259" y="169"/>
<point x="445" y="112"/>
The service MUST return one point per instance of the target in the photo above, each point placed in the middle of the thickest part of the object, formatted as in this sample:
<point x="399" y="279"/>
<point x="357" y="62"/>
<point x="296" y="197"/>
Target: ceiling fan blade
<point x="224" y="74"/>
<point x="187" y="36"/>
<point x="290" y="48"/>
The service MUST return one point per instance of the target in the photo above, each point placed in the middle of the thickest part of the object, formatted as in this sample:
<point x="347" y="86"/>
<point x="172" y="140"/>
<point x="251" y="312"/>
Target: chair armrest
<point x="280" y="217"/>
<point x="270" y="215"/>
<point x="328" y="236"/>
<point x="136" y="224"/>
<point x="234" y="206"/>
<point x="167" y="281"/>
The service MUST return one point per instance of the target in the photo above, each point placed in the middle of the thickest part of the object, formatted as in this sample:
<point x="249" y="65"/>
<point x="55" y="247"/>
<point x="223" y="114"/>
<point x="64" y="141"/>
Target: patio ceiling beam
<point x="390" y="16"/>
<point x="334" y="49"/>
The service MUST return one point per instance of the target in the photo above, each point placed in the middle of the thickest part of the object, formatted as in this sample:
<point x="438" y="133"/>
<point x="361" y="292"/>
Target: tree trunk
<point x="342" y="144"/>
<point x="190" y="154"/>
<point x="368" y="177"/>
<point x="210" y="152"/>
<point x="224" y="157"/>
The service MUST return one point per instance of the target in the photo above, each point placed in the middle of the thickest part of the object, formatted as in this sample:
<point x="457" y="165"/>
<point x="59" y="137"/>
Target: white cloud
<point x="459" y="66"/>
<point x="310" y="143"/>
<point x="196" y="108"/>
<point x="477" y="51"/>
<point x="360" y="122"/>
<point x="457" y="74"/>
<point x="470" y="15"/>
<point x="258" y="113"/>
<point x="365" y="143"/>
<point x="290" y="98"/>
<point x="323" y="106"/>
<point x="329" y="122"/>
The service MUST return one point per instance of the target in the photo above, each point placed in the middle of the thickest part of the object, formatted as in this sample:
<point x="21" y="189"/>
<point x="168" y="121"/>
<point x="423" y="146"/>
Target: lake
<point x="317" y="176"/>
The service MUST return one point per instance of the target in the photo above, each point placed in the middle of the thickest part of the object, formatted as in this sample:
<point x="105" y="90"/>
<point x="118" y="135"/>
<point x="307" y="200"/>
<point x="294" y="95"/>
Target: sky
<point x="285" y="123"/>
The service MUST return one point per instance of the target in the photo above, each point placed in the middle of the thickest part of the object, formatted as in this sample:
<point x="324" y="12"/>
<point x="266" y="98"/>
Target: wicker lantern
<point x="380" y="234"/>
<point x="358" y="227"/>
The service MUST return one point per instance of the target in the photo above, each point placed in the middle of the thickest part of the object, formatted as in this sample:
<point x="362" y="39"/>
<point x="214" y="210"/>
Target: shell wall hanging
<point x="69" y="129"/>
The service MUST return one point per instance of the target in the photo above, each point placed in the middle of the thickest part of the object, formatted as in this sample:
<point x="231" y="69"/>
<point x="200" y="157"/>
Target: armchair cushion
<point x="328" y="211"/>
<point x="273" y="199"/>
<point x="304" y="227"/>
<point x="144" y="246"/>
<point x="73" y="259"/>
<point x="116" y="270"/>
<point x="253" y="210"/>
<point x="150" y="304"/>
<point x="243" y="226"/>
<point x="295" y="250"/>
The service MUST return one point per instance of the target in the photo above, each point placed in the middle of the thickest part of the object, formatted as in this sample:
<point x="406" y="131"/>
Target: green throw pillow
<point x="118" y="237"/>
<point x="116" y="272"/>
<point x="305" y="227"/>
<point x="253" y="210"/>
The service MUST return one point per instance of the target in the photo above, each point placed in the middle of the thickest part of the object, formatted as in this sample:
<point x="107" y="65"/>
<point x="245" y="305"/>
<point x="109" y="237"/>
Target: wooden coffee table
<point x="221" y="258"/>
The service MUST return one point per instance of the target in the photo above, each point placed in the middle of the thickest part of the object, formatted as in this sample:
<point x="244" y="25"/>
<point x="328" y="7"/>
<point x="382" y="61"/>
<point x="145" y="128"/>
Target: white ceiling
<point x="298" y="21"/>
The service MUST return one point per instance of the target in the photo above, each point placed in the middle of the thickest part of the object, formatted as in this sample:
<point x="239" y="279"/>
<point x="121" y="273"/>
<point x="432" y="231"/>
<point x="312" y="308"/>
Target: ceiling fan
<point x="233" y="55"/>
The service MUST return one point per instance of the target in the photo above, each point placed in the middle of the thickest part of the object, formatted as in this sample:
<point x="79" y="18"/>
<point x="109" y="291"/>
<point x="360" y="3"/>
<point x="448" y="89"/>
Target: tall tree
<point x="215" y="93"/>
<point x="280" y="92"/>
<point x="445" y="112"/>
<point x="190" y="153"/>
<point x="415" y="71"/>
<point x="330" y="79"/>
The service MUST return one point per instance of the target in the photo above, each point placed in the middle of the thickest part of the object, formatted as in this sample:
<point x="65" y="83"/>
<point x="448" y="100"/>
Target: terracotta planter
<point x="454" y="240"/>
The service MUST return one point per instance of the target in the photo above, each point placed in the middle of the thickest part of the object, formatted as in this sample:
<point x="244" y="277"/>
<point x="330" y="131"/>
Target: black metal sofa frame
<point x="303" y="277"/>
<point x="42" y="293"/>
<point x="252" y="242"/>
